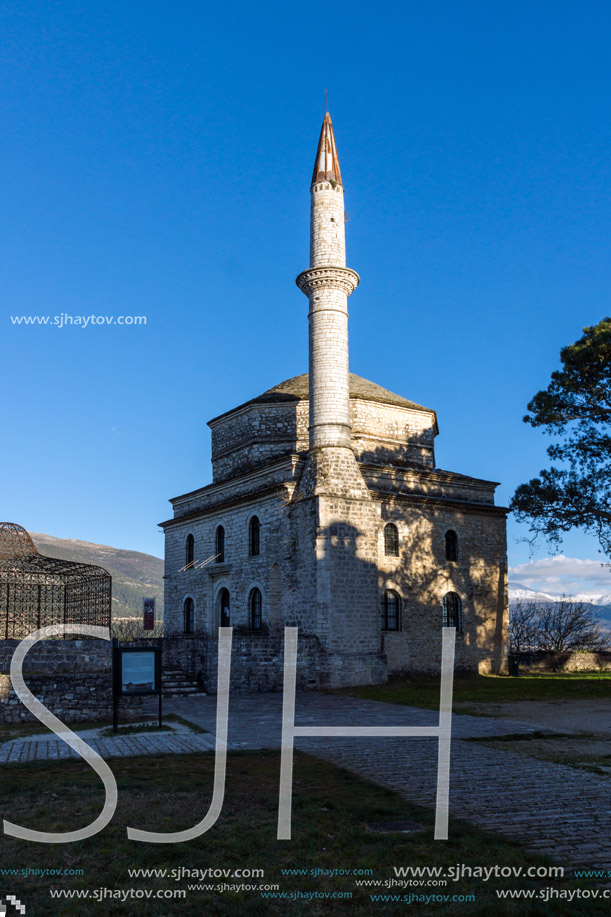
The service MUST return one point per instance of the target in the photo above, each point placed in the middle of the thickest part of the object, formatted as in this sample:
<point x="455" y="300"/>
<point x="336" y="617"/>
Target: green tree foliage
<point x="575" y="408"/>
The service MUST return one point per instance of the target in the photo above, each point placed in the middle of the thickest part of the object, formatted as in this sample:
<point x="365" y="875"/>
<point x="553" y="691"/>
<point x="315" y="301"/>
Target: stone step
<point x="180" y="689"/>
<point x="176" y="684"/>
<point x="175" y="676"/>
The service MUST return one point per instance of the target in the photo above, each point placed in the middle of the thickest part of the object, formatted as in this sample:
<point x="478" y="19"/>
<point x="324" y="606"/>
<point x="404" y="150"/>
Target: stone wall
<point x="256" y="434"/>
<point x="72" y="698"/>
<point x="239" y="572"/>
<point x="579" y="661"/>
<point x="322" y="550"/>
<point x="384" y="434"/>
<point x="241" y="488"/>
<point x="72" y="678"/>
<point x="422" y="576"/>
<point x="257" y="662"/>
<point x="435" y="485"/>
<point x="53" y="657"/>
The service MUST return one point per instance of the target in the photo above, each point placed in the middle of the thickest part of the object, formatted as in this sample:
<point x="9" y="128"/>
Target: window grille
<point x="391" y="610"/>
<point x="391" y="540"/>
<point x="255" y="604"/>
<point x="452" y="611"/>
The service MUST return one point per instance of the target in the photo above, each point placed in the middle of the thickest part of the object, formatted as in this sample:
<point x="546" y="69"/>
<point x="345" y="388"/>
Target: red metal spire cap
<point x="326" y="166"/>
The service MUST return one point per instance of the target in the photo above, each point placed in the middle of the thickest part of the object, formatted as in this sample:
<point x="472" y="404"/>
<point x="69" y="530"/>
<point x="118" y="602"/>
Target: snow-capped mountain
<point x="518" y="592"/>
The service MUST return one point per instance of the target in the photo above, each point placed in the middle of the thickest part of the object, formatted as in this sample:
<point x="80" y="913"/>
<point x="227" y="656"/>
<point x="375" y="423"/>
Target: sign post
<point x="136" y="672"/>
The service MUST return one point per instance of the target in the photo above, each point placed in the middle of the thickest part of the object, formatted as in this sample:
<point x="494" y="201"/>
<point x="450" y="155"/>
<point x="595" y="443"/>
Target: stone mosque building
<point x="327" y="512"/>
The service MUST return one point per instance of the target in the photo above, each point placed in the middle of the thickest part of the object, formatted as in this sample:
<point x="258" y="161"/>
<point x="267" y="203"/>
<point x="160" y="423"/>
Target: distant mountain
<point x="517" y="592"/>
<point x="520" y="593"/>
<point x="134" y="575"/>
<point x="601" y="602"/>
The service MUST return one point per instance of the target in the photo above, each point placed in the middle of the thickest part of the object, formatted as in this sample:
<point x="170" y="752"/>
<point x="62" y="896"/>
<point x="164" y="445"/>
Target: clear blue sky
<point x="157" y="159"/>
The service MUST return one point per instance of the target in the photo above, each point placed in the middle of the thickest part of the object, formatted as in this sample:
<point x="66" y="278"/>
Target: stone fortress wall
<point x="72" y="678"/>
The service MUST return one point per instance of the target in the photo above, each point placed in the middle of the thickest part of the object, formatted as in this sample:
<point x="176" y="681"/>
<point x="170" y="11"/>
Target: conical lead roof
<point x="326" y="166"/>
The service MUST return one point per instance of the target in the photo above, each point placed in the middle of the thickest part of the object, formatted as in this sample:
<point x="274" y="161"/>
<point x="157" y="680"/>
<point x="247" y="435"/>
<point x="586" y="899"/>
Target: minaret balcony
<point x="340" y="278"/>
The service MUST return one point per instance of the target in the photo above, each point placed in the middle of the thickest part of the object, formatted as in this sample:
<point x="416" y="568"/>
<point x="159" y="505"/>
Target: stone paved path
<point x="552" y="808"/>
<point x="50" y="748"/>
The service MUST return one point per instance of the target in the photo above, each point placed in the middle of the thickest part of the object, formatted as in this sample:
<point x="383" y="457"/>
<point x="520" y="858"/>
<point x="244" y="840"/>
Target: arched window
<point x="391" y="540"/>
<point x="451" y="545"/>
<point x="452" y="611"/>
<point x="254" y="537"/>
<point x="188" y="611"/>
<point x="189" y="551"/>
<point x="225" y="608"/>
<point x="391" y="610"/>
<point x="219" y="547"/>
<point x="254" y="606"/>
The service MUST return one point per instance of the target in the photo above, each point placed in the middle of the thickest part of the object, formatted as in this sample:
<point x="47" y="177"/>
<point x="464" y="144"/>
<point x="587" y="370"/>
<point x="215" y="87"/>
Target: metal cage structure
<point x="37" y="591"/>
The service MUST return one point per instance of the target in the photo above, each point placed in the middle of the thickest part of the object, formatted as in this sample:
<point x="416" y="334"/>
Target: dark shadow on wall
<point x="424" y="575"/>
<point x="415" y="452"/>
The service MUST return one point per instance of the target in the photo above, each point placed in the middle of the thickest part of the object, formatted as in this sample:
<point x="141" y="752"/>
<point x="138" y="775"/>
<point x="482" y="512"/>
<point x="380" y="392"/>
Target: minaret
<point x="328" y="283"/>
<point x="335" y="520"/>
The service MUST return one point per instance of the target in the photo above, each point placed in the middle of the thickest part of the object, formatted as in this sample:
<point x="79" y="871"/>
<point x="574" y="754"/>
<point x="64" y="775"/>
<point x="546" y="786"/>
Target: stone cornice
<point x="465" y="506"/>
<point x="253" y="479"/>
<point x="224" y="503"/>
<point x="341" y="278"/>
<point x="437" y="475"/>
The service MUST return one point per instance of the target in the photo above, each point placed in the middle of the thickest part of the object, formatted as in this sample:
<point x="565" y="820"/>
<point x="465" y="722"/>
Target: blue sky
<point x="157" y="160"/>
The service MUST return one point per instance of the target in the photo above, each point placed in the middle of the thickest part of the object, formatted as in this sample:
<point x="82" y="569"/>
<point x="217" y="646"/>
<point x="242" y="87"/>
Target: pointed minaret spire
<point x="328" y="283"/>
<point x="326" y="166"/>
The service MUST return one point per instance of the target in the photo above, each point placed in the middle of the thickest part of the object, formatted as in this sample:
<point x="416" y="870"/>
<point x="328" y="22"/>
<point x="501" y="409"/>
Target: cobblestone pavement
<point x="554" y="809"/>
<point x="50" y="748"/>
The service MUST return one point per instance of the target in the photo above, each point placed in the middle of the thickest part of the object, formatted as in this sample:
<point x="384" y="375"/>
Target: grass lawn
<point x="331" y="812"/>
<point x="491" y="689"/>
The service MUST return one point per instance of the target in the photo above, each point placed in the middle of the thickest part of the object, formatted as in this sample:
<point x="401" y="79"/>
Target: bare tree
<point x="558" y="627"/>
<point x="570" y="625"/>
<point x="523" y="630"/>
<point x="133" y="629"/>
